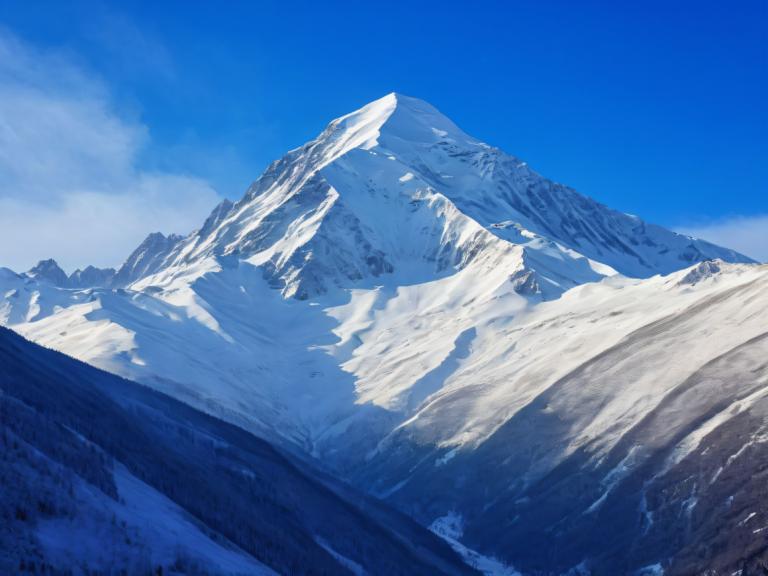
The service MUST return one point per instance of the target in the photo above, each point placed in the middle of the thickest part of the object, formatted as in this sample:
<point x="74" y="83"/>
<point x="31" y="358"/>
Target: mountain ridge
<point x="508" y="199"/>
<point x="415" y="309"/>
<point x="289" y="219"/>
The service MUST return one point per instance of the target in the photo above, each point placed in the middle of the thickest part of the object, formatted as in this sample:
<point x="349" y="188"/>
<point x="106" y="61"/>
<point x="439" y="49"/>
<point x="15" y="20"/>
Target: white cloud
<point x="745" y="234"/>
<point x="70" y="187"/>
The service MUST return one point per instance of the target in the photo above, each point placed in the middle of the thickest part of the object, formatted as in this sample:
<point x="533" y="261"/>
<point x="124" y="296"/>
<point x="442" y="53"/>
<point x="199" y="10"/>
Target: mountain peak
<point x="147" y="258"/>
<point x="397" y="188"/>
<point x="48" y="271"/>
<point x="389" y="122"/>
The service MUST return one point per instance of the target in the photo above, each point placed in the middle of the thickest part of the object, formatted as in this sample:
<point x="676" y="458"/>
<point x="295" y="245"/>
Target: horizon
<point x="651" y="119"/>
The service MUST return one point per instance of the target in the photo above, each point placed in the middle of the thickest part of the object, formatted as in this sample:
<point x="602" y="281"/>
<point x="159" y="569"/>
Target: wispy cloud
<point x="70" y="184"/>
<point x="746" y="234"/>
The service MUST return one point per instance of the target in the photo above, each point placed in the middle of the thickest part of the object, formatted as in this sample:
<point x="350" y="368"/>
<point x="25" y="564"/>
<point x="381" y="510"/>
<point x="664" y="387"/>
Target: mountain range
<point x="529" y="373"/>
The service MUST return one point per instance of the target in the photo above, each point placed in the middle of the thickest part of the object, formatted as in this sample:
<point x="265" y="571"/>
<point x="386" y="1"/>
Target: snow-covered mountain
<point x="417" y="309"/>
<point x="49" y="272"/>
<point x="396" y="189"/>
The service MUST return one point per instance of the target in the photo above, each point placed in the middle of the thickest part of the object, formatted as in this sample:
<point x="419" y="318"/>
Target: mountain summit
<point x="390" y="122"/>
<point x="48" y="271"/>
<point x="396" y="188"/>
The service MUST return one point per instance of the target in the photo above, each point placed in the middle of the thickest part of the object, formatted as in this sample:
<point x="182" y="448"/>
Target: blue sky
<point x="654" y="108"/>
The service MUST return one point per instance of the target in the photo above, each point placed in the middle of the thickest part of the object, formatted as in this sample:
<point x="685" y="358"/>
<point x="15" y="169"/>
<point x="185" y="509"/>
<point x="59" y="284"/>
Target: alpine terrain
<point x="564" y="388"/>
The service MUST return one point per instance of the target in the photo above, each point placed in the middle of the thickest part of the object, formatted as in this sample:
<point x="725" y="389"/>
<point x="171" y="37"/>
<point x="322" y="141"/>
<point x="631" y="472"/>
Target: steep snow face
<point x="504" y="195"/>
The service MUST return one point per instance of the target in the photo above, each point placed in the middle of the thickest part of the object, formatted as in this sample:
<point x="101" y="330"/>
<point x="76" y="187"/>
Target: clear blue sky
<point x="657" y="108"/>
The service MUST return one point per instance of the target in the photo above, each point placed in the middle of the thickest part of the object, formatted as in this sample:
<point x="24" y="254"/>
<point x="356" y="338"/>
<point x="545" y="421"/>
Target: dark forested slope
<point x="102" y="474"/>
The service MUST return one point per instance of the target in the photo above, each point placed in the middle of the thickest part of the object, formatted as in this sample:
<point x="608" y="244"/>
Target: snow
<point x="354" y="568"/>
<point x="748" y="518"/>
<point x="447" y="457"/>
<point x="449" y="528"/>
<point x="755" y="439"/>
<point x="229" y="343"/>
<point x="396" y="274"/>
